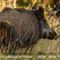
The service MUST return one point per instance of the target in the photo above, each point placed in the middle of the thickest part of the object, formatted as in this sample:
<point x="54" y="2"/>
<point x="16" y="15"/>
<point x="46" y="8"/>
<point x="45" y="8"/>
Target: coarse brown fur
<point x="23" y="28"/>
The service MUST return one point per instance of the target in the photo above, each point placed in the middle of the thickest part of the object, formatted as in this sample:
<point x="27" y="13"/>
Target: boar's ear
<point x="40" y="13"/>
<point x="41" y="10"/>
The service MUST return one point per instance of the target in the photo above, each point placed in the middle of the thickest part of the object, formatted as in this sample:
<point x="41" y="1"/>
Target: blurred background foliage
<point x="28" y="4"/>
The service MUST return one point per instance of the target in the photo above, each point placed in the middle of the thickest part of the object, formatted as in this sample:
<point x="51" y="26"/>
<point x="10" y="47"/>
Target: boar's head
<point x="45" y="30"/>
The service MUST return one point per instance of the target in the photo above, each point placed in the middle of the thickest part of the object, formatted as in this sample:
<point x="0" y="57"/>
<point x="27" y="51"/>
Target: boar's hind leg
<point x="4" y="35"/>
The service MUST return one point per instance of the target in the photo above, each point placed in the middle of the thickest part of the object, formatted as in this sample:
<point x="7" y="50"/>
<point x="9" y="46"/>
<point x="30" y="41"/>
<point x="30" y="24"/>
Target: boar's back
<point x="26" y="27"/>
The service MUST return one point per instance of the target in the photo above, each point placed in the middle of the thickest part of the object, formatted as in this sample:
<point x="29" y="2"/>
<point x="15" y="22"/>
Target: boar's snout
<point x="49" y="33"/>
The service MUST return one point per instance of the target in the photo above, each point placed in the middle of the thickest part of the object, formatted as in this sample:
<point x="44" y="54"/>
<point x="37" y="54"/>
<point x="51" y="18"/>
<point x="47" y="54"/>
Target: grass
<point x="43" y="47"/>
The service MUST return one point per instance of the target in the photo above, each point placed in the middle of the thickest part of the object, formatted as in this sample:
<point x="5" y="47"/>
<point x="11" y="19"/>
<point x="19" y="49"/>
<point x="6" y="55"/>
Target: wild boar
<point x="22" y="28"/>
